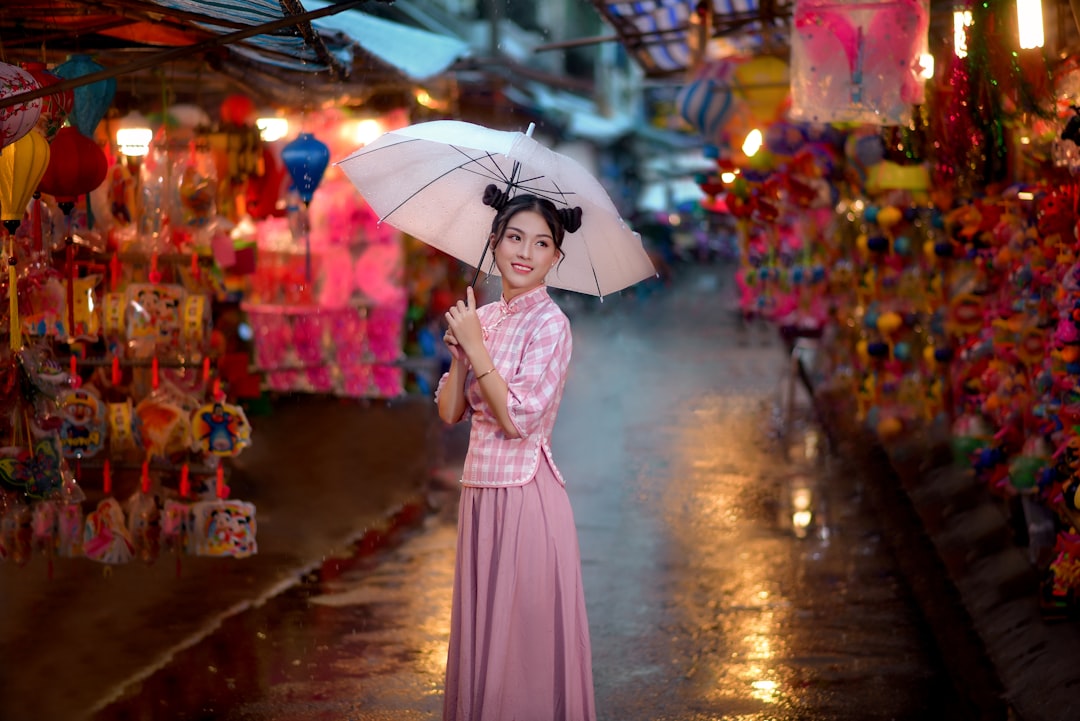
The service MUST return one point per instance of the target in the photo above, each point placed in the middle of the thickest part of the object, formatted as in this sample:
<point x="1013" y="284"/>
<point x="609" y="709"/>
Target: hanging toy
<point x="105" y="537"/>
<point x="221" y="429"/>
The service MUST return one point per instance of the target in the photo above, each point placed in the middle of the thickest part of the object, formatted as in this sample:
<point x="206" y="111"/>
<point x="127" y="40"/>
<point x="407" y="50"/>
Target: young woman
<point x="519" y="635"/>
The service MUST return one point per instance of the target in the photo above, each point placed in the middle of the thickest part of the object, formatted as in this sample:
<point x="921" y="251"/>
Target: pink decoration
<point x="19" y="119"/>
<point x="857" y="60"/>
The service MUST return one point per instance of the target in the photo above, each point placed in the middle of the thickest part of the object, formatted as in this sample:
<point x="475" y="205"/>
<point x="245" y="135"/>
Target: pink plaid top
<point x="529" y="341"/>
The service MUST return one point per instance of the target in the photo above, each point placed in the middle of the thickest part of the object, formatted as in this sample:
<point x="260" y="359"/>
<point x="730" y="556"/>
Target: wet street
<point x="732" y="570"/>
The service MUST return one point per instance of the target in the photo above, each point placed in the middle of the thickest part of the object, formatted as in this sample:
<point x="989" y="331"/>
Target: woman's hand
<point x="464" y="326"/>
<point x="452" y="345"/>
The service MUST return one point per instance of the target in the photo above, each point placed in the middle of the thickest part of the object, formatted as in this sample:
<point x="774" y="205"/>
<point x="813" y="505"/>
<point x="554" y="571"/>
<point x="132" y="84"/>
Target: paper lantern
<point x="17" y="120"/>
<point x="857" y="60"/>
<point x="237" y="109"/>
<point x="92" y="100"/>
<point x="707" y="101"/>
<point x="763" y="83"/>
<point x="306" y="159"/>
<point x="55" y="108"/>
<point x="77" y="165"/>
<point x="21" y="166"/>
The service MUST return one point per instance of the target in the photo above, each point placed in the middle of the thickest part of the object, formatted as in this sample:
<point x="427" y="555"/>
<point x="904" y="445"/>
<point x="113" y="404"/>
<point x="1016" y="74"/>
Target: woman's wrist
<point x="486" y="373"/>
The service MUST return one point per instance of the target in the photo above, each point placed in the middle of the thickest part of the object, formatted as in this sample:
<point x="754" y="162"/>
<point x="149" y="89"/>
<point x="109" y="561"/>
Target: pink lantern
<point x="55" y="108"/>
<point x="19" y="119"/>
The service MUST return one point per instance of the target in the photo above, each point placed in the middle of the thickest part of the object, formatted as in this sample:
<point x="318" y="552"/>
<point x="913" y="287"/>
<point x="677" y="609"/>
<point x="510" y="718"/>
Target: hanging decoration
<point x="17" y="120"/>
<point x="858" y="61"/>
<point x="22" y="165"/>
<point x="77" y="165"/>
<point x="55" y="108"/>
<point x="306" y="159"/>
<point x="91" y="100"/>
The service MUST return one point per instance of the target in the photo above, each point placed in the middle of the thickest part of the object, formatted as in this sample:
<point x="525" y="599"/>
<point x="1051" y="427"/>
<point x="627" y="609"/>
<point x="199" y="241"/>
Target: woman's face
<point x="525" y="253"/>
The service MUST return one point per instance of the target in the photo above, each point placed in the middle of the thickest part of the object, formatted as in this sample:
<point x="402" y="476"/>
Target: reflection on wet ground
<point x="732" y="571"/>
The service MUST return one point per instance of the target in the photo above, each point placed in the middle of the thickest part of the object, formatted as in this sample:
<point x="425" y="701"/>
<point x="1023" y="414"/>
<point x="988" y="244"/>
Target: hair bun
<point x="494" y="197"/>
<point x="571" y="218"/>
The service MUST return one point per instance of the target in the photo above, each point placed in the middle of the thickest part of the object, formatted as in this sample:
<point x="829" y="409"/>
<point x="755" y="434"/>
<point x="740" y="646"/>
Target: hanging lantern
<point x="306" y="159"/>
<point x="237" y="109"/>
<point x="763" y="83"/>
<point x="17" y="120"/>
<point x="77" y="166"/>
<point x="21" y="166"/>
<point x="55" y="108"/>
<point x="707" y="101"/>
<point x="91" y="100"/>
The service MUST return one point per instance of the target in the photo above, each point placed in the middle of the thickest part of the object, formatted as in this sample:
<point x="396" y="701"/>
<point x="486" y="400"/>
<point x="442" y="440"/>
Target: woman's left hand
<point x="465" y="324"/>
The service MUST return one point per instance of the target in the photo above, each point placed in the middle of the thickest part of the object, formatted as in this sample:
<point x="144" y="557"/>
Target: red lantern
<point x="54" y="108"/>
<point x="76" y="166"/>
<point x="17" y="120"/>
<point x="237" y="109"/>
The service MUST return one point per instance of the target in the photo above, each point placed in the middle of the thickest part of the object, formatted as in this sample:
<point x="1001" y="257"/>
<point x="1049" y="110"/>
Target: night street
<point x="706" y="601"/>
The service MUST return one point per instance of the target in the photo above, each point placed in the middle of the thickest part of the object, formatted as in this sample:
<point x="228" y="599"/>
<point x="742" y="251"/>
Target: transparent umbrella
<point x="428" y="179"/>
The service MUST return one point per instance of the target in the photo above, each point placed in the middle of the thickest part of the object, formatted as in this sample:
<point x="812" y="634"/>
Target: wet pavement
<point x="733" y="570"/>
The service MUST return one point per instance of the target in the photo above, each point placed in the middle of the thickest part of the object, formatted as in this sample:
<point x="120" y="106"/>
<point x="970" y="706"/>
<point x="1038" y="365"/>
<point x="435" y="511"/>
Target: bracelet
<point x="490" y="370"/>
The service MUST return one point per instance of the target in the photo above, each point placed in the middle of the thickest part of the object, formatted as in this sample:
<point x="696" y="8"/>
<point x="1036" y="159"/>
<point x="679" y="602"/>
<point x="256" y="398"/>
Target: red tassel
<point x="75" y="379"/>
<point x="116" y="376"/>
<point x="220" y="486"/>
<point x="206" y="369"/>
<point x="155" y="275"/>
<point x="106" y="474"/>
<point x="146" y="477"/>
<point x="216" y="394"/>
<point x="195" y="265"/>
<point x="114" y="272"/>
<point x="155" y="379"/>
<point x="185" y="481"/>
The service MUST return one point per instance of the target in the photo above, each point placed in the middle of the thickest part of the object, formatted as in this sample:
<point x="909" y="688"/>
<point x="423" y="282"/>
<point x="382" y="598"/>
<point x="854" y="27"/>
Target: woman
<point x="519" y="635"/>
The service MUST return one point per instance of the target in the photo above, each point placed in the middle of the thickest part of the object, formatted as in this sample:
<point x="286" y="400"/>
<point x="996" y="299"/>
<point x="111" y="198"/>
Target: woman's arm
<point x="451" y="394"/>
<point x="468" y="339"/>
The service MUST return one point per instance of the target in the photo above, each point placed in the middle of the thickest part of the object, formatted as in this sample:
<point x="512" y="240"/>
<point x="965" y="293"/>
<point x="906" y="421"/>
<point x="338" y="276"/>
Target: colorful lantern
<point x="237" y="109"/>
<point x="91" y="100"/>
<point x="77" y="166"/>
<point x="707" y="101"/>
<point x="763" y="84"/>
<point x="55" y="108"/>
<point x="21" y="166"/>
<point x="17" y="120"/>
<point x="306" y="159"/>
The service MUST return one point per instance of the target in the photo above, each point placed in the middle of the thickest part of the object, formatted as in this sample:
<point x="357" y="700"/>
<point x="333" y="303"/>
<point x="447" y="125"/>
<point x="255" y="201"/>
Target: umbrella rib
<point x="494" y="173"/>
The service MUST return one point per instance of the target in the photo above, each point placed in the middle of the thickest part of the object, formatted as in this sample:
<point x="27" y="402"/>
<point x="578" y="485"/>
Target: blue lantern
<point x="306" y="159"/>
<point x="92" y="100"/>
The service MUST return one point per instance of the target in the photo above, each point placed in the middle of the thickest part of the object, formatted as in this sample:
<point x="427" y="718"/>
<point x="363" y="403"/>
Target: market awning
<point x="289" y="52"/>
<point x="660" y="34"/>
<point x="393" y="43"/>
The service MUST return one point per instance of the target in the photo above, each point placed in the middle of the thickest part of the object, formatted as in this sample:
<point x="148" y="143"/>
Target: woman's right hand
<point x="452" y="345"/>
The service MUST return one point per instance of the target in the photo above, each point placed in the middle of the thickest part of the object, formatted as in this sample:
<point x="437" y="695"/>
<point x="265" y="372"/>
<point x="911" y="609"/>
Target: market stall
<point x="907" y="198"/>
<point x="168" y="271"/>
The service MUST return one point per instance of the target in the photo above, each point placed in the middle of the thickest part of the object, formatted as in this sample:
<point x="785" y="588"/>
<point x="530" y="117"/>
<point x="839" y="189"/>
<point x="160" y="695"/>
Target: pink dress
<point x="519" y="634"/>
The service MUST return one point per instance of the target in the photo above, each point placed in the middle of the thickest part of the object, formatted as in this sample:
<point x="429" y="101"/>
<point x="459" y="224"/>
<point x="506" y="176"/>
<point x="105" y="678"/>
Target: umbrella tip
<point x="529" y="132"/>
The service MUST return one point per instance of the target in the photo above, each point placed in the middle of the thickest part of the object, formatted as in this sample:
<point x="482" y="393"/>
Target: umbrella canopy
<point x="428" y="180"/>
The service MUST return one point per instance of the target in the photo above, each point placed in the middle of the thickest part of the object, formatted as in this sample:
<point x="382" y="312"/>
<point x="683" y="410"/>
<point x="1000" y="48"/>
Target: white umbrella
<point x="428" y="180"/>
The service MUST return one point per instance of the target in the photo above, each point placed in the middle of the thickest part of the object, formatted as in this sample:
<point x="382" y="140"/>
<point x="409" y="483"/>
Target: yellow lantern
<point x="763" y="83"/>
<point x="21" y="166"/>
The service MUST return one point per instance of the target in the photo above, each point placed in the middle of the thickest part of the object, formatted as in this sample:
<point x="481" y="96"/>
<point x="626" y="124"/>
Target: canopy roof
<point x="281" y="52"/>
<point x="660" y="34"/>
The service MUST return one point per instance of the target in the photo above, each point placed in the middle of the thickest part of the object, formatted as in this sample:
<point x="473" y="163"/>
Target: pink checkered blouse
<point x="530" y="343"/>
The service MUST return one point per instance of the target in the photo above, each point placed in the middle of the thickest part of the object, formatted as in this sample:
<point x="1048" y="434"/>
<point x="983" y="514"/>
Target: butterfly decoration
<point x="37" y="474"/>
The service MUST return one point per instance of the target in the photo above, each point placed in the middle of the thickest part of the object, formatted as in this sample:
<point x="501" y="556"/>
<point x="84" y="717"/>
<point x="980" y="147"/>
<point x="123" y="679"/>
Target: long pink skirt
<point x="519" y="635"/>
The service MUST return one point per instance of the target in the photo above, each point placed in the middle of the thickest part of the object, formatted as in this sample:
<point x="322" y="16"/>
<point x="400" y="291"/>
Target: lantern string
<point x="15" y="332"/>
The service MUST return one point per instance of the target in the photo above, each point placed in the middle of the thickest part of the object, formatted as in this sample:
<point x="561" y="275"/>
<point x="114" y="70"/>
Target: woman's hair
<point x="559" y="220"/>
